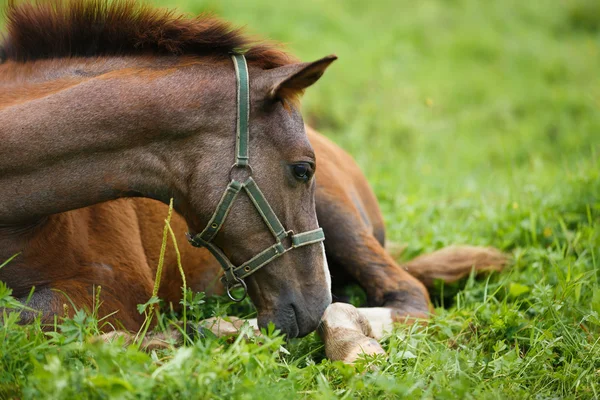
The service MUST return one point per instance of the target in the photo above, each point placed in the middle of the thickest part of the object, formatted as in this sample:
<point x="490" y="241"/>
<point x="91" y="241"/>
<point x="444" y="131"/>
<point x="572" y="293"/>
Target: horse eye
<point x="301" y="171"/>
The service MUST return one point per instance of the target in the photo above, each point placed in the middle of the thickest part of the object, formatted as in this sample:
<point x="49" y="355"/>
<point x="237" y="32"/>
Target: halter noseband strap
<point x="234" y="275"/>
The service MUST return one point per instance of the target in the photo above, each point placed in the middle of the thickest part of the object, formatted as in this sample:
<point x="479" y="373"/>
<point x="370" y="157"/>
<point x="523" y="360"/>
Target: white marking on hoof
<point x="347" y="334"/>
<point x="380" y="319"/>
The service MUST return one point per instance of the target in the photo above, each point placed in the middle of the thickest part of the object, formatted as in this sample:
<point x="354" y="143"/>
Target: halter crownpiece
<point x="234" y="276"/>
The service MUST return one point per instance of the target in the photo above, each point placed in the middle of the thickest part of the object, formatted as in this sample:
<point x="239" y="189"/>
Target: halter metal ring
<point x="237" y="282"/>
<point x="247" y="167"/>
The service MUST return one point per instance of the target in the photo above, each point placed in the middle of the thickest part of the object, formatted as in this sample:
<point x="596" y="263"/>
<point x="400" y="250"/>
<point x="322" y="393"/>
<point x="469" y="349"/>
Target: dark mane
<point x="91" y="28"/>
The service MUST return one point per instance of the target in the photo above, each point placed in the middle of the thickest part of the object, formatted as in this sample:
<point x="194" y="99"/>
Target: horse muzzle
<point x="295" y="319"/>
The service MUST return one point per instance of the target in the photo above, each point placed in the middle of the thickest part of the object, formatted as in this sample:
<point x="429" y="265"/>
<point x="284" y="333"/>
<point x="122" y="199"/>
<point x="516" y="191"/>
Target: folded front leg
<point x="361" y="257"/>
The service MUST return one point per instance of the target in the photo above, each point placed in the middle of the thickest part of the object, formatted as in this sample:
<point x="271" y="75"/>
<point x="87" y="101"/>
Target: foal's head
<point x="293" y="290"/>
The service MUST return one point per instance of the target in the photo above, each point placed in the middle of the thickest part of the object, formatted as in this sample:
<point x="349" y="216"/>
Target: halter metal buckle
<point x="237" y="282"/>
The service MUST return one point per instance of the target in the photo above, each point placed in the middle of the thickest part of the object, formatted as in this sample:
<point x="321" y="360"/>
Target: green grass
<point x="475" y="122"/>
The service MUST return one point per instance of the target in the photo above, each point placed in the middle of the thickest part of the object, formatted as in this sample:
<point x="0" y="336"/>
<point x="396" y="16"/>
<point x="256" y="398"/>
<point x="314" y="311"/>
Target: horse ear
<point x="290" y="81"/>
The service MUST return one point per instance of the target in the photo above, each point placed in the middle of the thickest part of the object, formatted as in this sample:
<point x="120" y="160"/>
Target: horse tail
<point x="453" y="263"/>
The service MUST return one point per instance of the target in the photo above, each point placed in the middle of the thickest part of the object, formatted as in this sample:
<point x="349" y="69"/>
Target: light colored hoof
<point x="347" y="334"/>
<point x="228" y="326"/>
<point x="362" y="347"/>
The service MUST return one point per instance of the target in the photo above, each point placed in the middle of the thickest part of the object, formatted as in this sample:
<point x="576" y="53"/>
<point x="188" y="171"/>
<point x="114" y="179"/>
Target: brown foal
<point x="106" y="107"/>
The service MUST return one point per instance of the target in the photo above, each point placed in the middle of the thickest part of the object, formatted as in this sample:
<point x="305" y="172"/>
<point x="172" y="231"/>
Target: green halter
<point x="234" y="276"/>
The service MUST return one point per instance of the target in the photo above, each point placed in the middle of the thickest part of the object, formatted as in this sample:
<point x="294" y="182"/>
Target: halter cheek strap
<point x="234" y="276"/>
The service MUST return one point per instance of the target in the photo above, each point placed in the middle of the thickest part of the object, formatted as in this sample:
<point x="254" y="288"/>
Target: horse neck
<point x="74" y="140"/>
<point x="22" y="82"/>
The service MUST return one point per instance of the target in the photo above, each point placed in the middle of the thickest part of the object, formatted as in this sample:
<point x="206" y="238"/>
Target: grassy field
<point x="476" y="122"/>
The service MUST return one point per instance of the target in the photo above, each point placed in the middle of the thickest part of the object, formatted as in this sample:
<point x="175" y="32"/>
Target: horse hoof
<point x="347" y="334"/>
<point x="227" y="326"/>
<point x="362" y="347"/>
